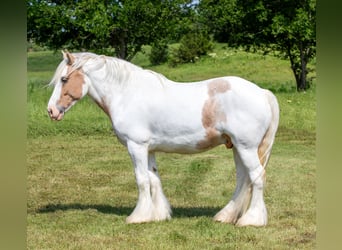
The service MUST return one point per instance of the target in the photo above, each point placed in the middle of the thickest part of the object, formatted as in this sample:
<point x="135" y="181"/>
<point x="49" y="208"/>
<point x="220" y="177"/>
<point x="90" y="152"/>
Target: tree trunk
<point x="299" y="68"/>
<point x="302" y="84"/>
<point x="119" y="37"/>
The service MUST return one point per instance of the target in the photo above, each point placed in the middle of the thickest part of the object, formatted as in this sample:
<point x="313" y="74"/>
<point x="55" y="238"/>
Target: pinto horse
<point x="151" y="113"/>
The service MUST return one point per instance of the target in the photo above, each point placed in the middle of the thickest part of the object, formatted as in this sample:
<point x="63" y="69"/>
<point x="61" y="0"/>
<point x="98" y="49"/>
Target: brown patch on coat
<point x="218" y="86"/>
<point x="214" y="138"/>
<point x="72" y="88"/>
<point x="212" y="113"/>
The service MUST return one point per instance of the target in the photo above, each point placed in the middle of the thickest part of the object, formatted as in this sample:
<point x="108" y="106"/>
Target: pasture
<point x="81" y="185"/>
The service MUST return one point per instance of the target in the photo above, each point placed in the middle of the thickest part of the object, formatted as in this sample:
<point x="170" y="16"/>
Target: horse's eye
<point x="64" y="79"/>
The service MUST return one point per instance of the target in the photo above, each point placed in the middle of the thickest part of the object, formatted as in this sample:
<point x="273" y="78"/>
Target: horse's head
<point x="70" y="86"/>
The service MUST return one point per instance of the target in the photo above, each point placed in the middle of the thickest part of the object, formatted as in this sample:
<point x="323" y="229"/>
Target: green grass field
<point x="81" y="185"/>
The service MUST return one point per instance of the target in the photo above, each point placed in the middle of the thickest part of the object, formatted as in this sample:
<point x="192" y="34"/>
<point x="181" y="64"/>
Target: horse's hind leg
<point x="162" y="210"/>
<point x="256" y="214"/>
<point x="241" y="197"/>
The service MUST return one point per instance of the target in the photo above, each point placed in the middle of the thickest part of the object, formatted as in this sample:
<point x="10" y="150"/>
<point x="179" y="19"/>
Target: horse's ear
<point x="70" y="59"/>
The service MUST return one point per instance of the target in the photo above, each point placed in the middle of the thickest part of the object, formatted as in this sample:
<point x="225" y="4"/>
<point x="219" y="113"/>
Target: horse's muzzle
<point x="55" y="113"/>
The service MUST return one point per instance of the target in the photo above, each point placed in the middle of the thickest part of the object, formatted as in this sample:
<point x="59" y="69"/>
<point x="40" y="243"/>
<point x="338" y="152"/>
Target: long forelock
<point x="58" y="73"/>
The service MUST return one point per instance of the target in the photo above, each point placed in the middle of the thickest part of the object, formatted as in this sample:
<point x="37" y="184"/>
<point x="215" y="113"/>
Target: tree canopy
<point x="286" y="27"/>
<point x="123" y="25"/>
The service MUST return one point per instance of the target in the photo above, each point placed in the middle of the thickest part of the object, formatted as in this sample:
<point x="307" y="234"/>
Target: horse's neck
<point x="108" y="93"/>
<point x="102" y="89"/>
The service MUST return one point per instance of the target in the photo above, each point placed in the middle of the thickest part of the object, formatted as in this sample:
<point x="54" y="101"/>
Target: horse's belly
<point x="179" y="149"/>
<point x="190" y="144"/>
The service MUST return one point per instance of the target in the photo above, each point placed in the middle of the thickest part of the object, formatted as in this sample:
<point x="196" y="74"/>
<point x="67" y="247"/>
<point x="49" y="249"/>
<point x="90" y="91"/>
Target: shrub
<point x="192" y="46"/>
<point x="159" y="53"/>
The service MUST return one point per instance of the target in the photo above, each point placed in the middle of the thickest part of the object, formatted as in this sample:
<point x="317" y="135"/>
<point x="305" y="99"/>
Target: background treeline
<point x="286" y="28"/>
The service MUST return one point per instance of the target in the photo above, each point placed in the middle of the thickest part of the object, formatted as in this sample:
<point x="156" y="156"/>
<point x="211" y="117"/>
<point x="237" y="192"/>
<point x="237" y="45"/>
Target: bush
<point x="192" y="46"/>
<point x="159" y="53"/>
<point x="32" y="46"/>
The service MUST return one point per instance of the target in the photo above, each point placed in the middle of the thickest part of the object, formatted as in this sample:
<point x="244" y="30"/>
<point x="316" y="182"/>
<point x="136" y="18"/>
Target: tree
<point x="123" y="25"/>
<point x="287" y="27"/>
<point x="295" y="33"/>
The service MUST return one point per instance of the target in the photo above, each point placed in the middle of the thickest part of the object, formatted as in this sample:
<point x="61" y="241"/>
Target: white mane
<point x="115" y="68"/>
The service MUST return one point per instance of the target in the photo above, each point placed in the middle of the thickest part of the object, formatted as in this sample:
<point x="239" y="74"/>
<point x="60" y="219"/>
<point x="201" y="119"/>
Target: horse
<point x="150" y="113"/>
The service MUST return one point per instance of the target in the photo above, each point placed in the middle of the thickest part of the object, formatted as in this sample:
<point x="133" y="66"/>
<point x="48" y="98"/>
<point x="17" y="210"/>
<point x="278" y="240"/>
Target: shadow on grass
<point x="105" y="209"/>
<point x="177" y="212"/>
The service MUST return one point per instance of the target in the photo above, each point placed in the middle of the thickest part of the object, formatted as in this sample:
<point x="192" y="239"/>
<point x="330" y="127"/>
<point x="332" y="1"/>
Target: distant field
<point x="81" y="185"/>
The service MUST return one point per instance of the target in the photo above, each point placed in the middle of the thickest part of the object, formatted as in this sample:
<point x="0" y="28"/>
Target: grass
<point x="81" y="185"/>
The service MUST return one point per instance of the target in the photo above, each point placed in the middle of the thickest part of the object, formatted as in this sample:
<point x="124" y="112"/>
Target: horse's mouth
<point x="59" y="117"/>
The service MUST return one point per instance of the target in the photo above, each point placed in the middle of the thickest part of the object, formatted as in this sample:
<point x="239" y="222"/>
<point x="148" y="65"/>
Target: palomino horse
<point x="150" y="113"/>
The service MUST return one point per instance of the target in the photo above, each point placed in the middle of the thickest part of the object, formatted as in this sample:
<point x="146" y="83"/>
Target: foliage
<point x="192" y="46"/>
<point x="159" y="53"/>
<point x="287" y="27"/>
<point x="101" y="24"/>
<point x="218" y="17"/>
<point x="295" y="35"/>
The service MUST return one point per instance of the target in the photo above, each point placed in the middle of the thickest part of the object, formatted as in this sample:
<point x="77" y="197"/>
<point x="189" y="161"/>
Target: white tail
<point x="265" y="147"/>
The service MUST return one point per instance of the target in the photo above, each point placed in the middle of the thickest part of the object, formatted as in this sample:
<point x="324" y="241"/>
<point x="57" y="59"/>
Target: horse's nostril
<point x="50" y="112"/>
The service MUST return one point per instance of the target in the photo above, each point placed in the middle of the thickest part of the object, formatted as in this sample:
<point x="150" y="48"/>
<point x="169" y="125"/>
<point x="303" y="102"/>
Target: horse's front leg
<point x="143" y="211"/>
<point x="162" y="209"/>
